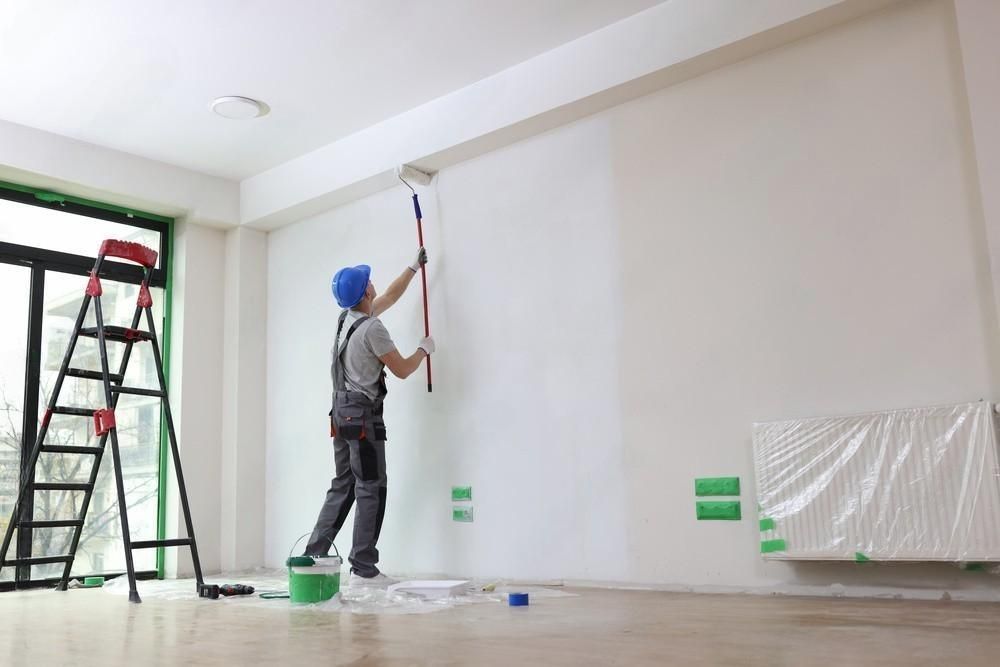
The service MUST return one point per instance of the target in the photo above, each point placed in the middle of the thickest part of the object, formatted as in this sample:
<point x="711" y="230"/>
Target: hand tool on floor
<point x="213" y="591"/>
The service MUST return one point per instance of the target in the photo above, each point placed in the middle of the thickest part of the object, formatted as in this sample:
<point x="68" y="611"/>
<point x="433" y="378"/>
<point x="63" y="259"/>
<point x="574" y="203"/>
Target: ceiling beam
<point x="656" y="48"/>
<point x="48" y="161"/>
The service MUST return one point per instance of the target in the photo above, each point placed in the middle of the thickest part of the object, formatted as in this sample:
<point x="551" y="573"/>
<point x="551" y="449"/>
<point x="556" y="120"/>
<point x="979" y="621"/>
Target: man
<point x="358" y="372"/>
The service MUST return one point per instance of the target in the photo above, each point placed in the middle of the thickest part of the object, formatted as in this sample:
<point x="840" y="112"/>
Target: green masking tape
<point x="50" y="197"/>
<point x="727" y="510"/>
<point x="717" y="486"/>
<point x="767" y="523"/>
<point x="770" y="546"/>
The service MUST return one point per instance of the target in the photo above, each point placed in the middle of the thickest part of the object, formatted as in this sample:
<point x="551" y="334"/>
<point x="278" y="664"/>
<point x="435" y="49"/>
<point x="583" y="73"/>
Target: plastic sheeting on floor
<point x="352" y="601"/>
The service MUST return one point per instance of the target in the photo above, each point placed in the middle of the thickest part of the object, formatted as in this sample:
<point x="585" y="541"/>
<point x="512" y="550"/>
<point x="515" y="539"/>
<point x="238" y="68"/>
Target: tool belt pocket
<point x="349" y="422"/>
<point x="378" y="430"/>
<point x="378" y="423"/>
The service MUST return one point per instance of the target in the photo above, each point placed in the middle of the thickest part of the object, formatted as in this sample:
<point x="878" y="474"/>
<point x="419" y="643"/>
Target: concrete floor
<point x="601" y="627"/>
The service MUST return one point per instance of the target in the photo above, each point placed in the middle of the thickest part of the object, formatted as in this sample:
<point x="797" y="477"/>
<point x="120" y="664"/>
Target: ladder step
<point x="152" y="544"/>
<point x="68" y="523"/>
<point x="139" y="391"/>
<point x="39" y="560"/>
<point x="79" y="412"/>
<point x="117" y="334"/>
<point x="92" y="375"/>
<point x="68" y="449"/>
<point x="62" y="486"/>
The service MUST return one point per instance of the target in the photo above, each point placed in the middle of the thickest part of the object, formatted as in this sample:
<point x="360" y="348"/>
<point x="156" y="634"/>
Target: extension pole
<point x="423" y="280"/>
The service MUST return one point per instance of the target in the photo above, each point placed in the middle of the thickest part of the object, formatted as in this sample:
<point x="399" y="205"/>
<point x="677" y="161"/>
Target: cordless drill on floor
<point x="213" y="591"/>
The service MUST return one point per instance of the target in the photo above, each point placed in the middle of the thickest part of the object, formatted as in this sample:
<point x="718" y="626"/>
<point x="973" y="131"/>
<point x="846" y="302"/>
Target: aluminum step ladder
<point x="104" y="424"/>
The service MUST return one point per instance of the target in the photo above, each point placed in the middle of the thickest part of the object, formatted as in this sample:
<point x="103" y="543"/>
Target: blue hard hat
<point x="349" y="285"/>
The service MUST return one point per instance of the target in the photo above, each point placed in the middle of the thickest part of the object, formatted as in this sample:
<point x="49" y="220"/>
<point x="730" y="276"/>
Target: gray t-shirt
<point x="362" y="366"/>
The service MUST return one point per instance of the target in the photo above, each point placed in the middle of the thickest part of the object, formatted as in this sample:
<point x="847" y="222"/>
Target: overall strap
<point x="350" y="332"/>
<point x="339" y="383"/>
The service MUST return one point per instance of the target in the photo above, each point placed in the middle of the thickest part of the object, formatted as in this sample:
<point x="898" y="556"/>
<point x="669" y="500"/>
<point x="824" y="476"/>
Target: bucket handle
<point x="292" y="550"/>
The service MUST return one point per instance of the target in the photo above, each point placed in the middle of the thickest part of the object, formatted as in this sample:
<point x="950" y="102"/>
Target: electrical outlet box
<point x="727" y="510"/>
<point x="463" y="514"/>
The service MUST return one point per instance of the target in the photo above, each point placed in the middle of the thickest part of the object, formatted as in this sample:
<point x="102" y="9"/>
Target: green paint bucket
<point x="313" y="578"/>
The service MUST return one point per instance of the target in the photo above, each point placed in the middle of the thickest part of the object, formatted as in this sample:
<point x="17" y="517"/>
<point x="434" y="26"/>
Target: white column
<point x="196" y="390"/>
<point x="243" y="400"/>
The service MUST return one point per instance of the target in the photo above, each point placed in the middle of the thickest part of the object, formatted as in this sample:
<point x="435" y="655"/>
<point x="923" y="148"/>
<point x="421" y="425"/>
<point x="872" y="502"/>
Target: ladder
<point x="104" y="424"/>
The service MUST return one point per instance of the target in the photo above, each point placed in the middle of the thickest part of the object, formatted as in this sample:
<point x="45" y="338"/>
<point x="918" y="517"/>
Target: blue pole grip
<point x="416" y="207"/>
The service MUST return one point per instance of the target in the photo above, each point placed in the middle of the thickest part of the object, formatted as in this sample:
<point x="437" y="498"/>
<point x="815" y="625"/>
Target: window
<point x="47" y="248"/>
<point x="63" y="231"/>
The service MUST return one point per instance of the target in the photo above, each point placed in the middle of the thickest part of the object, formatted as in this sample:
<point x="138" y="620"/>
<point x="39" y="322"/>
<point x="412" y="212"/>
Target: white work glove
<point x="427" y="345"/>
<point x="419" y="261"/>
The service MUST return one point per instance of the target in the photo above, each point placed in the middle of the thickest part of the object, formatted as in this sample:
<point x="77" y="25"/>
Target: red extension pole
<point x="423" y="280"/>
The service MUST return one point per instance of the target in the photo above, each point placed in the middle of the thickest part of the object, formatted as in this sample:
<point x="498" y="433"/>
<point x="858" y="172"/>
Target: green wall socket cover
<point x="460" y="493"/>
<point x="717" y="486"/>
<point x="722" y="510"/>
<point x="463" y="514"/>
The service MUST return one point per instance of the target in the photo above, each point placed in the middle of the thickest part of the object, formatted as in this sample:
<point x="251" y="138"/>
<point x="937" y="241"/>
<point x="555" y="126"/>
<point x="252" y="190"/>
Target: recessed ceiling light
<point x="239" y="108"/>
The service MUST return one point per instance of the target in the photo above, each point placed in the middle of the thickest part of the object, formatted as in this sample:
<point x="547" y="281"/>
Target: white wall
<point x="618" y="300"/>
<point x="505" y="412"/>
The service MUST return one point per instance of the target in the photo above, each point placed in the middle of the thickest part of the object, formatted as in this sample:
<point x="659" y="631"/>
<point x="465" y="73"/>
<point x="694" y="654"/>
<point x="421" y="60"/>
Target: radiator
<point x="913" y="485"/>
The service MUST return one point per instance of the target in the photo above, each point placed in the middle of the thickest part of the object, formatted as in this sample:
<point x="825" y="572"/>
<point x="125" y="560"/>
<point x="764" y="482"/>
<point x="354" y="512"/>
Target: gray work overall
<point x="359" y="457"/>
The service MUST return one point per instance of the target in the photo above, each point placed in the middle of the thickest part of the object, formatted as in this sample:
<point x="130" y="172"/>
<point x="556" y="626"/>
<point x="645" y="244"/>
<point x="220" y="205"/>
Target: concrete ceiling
<point x="139" y="76"/>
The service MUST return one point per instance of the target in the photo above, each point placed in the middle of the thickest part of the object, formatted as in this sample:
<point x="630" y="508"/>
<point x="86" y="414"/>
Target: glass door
<point x="47" y="250"/>
<point x="15" y="291"/>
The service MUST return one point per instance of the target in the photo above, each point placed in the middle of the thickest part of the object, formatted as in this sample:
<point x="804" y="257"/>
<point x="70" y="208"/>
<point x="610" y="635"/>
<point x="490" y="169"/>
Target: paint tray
<point x="431" y="589"/>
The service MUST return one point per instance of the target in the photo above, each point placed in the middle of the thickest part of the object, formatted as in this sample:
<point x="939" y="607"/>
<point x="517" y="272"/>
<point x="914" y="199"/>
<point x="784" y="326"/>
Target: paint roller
<point x="408" y="175"/>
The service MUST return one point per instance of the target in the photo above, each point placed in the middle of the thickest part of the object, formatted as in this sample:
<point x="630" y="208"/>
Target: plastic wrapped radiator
<point x="919" y="484"/>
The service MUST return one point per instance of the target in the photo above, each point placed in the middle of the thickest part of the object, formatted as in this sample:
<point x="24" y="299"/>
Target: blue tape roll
<point x="517" y="599"/>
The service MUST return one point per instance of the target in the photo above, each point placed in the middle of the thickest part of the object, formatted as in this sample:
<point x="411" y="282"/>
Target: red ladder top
<point x="134" y="252"/>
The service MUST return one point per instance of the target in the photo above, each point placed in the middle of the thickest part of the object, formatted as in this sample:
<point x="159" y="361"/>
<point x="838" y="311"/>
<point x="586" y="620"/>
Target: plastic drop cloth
<point x="351" y="601"/>
<point x="918" y="484"/>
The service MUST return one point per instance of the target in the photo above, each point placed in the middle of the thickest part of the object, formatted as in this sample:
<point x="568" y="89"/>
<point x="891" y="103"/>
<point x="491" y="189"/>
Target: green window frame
<point x="162" y="277"/>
